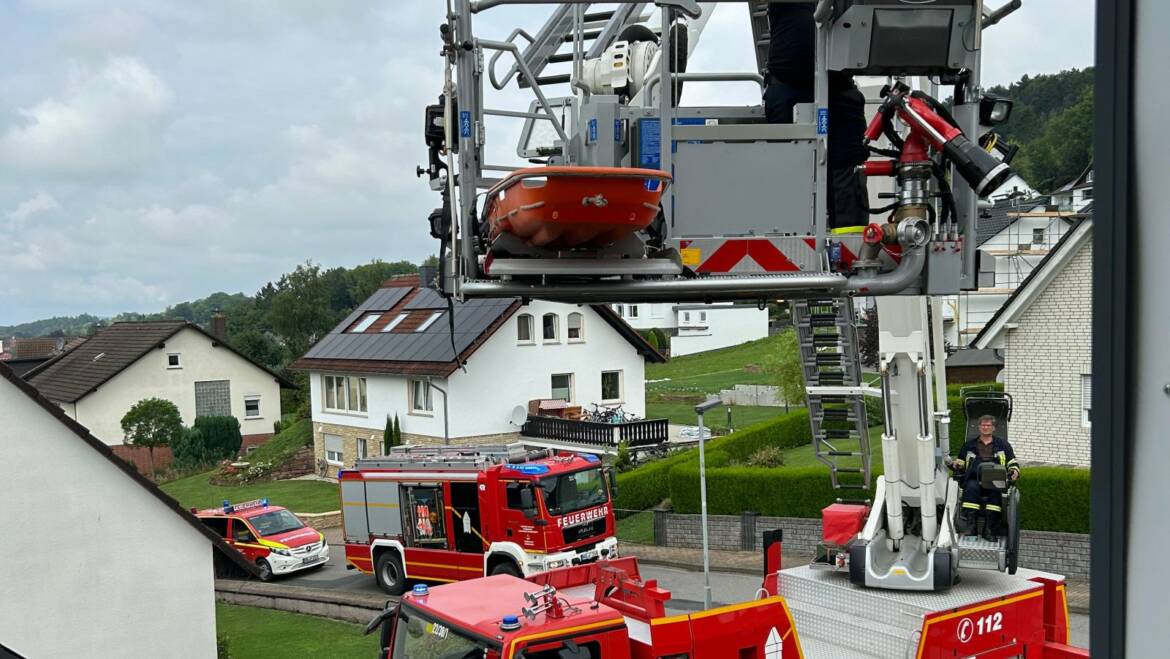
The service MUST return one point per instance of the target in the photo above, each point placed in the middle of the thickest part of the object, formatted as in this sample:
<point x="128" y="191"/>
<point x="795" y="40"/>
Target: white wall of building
<point x="94" y="565"/>
<point x="150" y="377"/>
<point x="648" y="315"/>
<point x="502" y="374"/>
<point x="713" y="326"/>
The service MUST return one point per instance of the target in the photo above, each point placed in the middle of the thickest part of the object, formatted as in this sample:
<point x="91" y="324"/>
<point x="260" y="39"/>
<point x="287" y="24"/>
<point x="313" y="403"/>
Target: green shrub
<point x="1054" y="499"/>
<point x="787" y="492"/>
<point x="190" y="451"/>
<point x="768" y="456"/>
<point x="220" y="435"/>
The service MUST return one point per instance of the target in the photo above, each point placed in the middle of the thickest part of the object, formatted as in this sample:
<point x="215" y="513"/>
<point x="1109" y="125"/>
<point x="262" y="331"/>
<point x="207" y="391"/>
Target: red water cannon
<point x="931" y="125"/>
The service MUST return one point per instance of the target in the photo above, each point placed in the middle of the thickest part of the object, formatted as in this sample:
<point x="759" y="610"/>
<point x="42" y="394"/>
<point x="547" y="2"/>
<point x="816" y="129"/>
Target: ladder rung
<point x="847" y="470"/>
<point x="857" y="502"/>
<point x="598" y="16"/>
<point x="851" y="486"/>
<point x="560" y="57"/>
<point x="554" y="80"/>
<point x="585" y="36"/>
<point x="845" y="454"/>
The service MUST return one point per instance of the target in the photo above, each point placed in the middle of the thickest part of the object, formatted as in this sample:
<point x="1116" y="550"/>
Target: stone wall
<point x="1062" y="553"/>
<point x="351" y="434"/>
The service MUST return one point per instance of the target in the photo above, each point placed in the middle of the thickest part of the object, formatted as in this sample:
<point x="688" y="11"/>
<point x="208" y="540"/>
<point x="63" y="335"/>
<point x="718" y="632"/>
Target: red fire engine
<point x="451" y="514"/>
<point x="607" y="611"/>
<point x="270" y="536"/>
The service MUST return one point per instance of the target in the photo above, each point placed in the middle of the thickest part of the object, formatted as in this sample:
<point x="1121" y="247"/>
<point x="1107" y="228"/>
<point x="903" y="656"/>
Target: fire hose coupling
<point x="878" y="168"/>
<point x="913" y="232"/>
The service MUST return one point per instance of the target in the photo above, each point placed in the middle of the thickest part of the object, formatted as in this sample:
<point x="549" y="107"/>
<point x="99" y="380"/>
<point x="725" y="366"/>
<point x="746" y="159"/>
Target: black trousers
<point x="848" y="197"/>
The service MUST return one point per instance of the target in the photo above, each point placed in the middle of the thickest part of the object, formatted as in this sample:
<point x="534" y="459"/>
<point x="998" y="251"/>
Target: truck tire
<point x="265" y="569"/>
<point x="506" y="567"/>
<point x="389" y="573"/>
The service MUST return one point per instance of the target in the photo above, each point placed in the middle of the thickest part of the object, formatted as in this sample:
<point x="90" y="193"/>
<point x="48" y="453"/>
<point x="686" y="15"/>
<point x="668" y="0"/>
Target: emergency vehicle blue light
<point x="420" y="590"/>
<point x="530" y="469"/>
<point x="511" y="620"/>
<point x="264" y="502"/>
<point x="589" y="457"/>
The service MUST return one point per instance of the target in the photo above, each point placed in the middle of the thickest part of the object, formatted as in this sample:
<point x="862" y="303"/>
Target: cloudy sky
<point x="153" y="151"/>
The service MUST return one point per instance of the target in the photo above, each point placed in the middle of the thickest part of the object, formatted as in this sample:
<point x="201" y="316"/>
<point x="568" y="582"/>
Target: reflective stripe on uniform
<point x="994" y="508"/>
<point x="971" y="505"/>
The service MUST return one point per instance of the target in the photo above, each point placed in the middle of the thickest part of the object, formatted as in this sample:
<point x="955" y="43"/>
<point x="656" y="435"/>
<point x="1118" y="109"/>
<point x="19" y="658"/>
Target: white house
<point x="1045" y="333"/>
<point x="99" y="381"/>
<point x="698" y="327"/>
<point x="395" y="356"/>
<point x="98" y="561"/>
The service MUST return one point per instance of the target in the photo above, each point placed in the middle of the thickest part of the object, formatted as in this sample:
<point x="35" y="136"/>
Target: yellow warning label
<point x="691" y="256"/>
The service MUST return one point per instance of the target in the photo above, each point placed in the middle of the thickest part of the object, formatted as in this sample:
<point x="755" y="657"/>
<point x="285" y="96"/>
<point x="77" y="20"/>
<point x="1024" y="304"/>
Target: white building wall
<point x="1044" y="359"/>
<point x="725" y="325"/>
<point x="501" y="375"/>
<point x="648" y="315"/>
<point x="149" y="377"/>
<point x="94" y="566"/>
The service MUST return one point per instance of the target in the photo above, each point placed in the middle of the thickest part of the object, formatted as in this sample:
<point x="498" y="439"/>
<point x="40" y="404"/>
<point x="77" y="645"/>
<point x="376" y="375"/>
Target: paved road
<point x="686" y="587"/>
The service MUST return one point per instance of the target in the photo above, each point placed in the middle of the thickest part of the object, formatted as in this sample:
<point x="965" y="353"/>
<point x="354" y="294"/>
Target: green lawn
<point x="254" y="633"/>
<point x="715" y="369"/>
<point x="638" y="527"/>
<point x="298" y="496"/>
<point x="805" y="456"/>
<point x="683" y="413"/>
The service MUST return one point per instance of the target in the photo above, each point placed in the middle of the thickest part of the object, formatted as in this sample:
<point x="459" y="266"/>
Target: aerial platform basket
<point x="561" y="207"/>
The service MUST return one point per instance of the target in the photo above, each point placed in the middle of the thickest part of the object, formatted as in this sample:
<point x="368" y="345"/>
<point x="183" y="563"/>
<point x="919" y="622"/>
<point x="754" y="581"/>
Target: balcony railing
<point x="650" y="432"/>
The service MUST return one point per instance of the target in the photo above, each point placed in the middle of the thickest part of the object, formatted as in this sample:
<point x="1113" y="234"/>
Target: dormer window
<point x="173" y="360"/>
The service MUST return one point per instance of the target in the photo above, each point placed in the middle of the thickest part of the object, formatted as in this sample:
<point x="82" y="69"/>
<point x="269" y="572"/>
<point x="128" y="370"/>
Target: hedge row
<point x="1051" y="498"/>
<point x="646" y="486"/>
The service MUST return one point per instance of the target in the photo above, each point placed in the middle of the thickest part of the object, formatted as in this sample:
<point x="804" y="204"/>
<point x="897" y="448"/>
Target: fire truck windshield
<point x="568" y="493"/>
<point x="275" y="522"/>
<point x="419" y="638"/>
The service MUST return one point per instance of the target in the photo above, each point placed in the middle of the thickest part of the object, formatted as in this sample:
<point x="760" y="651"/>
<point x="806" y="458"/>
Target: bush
<point x="1054" y="499"/>
<point x="768" y="456"/>
<point x="190" y="451"/>
<point x="220" y="434"/>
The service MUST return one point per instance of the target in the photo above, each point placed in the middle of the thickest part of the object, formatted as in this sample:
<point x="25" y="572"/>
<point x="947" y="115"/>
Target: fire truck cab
<point x="450" y="514"/>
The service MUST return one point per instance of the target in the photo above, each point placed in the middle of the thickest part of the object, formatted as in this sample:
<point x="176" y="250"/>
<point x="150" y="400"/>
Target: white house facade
<point x="99" y="381"/>
<point x="1045" y="334"/>
<point x="99" y="562"/>
<point x="510" y="354"/>
<point x="698" y="327"/>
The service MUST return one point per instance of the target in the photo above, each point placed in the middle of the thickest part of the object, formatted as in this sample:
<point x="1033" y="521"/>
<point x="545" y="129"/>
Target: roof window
<point x="364" y="323"/>
<point x="429" y="321"/>
<point x="394" y="323"/>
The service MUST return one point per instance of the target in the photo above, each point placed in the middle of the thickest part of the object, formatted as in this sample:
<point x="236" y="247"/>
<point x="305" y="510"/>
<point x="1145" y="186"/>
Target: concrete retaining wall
<point x="321" y="520"/>
<point x="340" y="605"/>
<point x="1061" y="553"/>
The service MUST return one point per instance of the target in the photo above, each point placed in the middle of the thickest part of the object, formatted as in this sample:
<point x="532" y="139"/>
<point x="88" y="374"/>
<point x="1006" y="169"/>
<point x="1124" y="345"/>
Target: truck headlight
<point x="552" y="565"/>
<point x="282" y="552"/>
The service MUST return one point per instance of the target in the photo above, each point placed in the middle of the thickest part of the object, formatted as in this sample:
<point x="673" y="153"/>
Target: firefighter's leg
<point x="848" y="197"/>
<point x="780" y="99"/>
<point x="969" y="510"/>
<point x="994" y="507"/>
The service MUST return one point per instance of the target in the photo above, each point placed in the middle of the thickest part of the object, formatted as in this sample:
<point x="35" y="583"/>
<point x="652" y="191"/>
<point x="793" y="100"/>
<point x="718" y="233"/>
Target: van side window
<point x="241" y="532"/>
<point x="217" y="524"/>
<point x="590" y="650"/>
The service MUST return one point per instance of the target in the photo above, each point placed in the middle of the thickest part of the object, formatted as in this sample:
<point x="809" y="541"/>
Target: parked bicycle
<point x="609" y="414"/>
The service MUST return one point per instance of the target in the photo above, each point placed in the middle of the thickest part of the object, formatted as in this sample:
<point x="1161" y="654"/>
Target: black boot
<point x="991" y="529"/>
<point x="966" y="522"/>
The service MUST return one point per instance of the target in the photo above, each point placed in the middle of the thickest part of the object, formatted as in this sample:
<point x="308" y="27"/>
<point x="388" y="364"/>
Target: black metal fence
<point x="635" y="433"/>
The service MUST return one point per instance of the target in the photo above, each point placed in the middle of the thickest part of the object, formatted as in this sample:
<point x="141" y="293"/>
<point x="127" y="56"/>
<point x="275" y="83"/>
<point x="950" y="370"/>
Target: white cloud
<point x="40" y="203"/>
<point x="107" y="120"/>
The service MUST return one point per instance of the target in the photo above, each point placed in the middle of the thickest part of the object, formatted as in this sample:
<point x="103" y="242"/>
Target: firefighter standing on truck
<point x="986" y="447"/>
<point x="791" y="64"/>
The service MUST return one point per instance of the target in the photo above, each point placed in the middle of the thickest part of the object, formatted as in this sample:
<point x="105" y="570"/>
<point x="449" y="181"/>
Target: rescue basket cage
<point x="978" y="403"/>
<point x="745" y="214"/>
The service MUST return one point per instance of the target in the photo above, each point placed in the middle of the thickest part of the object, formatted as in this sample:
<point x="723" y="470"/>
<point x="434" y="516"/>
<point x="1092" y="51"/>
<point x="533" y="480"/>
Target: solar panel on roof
<point x="427" y="298"/>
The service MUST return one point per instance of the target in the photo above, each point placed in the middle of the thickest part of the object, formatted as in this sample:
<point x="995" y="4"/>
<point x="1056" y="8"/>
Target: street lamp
<point x="699" y="409"/>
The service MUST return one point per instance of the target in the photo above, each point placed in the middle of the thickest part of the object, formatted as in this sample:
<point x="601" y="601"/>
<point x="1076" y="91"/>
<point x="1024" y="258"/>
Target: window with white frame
<point x="702" y="316"/>
<point x="575" y="328"/>
<point x="562" y="386"/>
<point x="524" y="328"/>
<point x="361" y="449"/>
<point x="364" y="323"/>
<point x="174" y="360"/>
<point x="394" y="323"/>
<point x="686" y="316"/>
<point x="633" y="311"/>
<point x="344" y="393"/>
<point x="420" y="396"/>
<point x="611" y="385"/>
<point x="1086" y="401"/>
<point x="1038" y="236"/>
<point x="549" y="327"/>
<point x="251" y="407"/>
<point x="429" y="321"/>
<point x="621" y="309"/>
<point x="333" y="449"/>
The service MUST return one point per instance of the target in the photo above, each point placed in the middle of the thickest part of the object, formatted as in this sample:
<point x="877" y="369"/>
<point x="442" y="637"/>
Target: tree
<point x="300" y="310"/>
<point x="152" y="422"/>
<point x="785" y="367"/>
<point x="388" y="436"/>
<point x="397" y="432"/>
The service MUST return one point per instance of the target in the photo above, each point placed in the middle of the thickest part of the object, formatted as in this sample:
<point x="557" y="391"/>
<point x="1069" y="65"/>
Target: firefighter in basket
<point x="985" y="449"/>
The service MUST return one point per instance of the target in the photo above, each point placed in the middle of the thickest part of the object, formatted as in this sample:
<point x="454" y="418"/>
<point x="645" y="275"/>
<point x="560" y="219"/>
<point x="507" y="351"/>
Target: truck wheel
<point x="265" y="569"/>
<point x="506" y="567"/>
<point x="389" y="573"/>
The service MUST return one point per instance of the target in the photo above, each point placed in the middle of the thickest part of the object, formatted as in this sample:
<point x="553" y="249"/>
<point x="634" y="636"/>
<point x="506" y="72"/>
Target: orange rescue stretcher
<point x="561" y="207"/>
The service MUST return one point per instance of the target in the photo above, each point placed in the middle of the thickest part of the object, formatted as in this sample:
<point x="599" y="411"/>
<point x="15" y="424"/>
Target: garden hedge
<point x="1051" y="498"/>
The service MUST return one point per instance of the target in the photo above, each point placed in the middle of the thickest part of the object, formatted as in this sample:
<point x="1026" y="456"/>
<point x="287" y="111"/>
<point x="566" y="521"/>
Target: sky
<point x="156" y="151"/>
